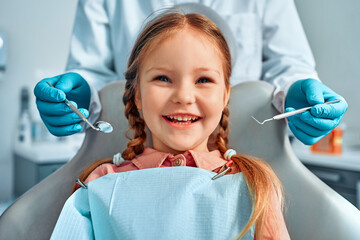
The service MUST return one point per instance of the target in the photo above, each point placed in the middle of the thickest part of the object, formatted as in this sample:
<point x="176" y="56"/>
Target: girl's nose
<point x="183" y="94"/>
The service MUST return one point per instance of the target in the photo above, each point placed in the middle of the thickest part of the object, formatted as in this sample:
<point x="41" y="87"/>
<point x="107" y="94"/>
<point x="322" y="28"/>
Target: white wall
<point x="333" y="30"/>
<point x="38" y="35"/>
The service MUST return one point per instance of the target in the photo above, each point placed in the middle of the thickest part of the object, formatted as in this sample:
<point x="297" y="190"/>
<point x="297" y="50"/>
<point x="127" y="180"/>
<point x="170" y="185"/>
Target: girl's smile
<point x="182" y="91"/>
<point x="182" y="120"/>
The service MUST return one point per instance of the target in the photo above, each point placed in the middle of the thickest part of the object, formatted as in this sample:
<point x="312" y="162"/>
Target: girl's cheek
<point x="213" y="97"/>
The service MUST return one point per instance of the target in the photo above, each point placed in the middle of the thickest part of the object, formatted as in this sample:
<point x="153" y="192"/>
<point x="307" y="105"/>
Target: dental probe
<point x="289" y="114"/>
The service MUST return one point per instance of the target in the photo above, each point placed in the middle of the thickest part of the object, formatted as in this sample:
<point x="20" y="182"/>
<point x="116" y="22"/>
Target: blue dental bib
<point x="158" y="203"/>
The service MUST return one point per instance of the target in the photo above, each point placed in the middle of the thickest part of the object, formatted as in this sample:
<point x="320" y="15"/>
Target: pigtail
<point x="260" y="178"/>
<point x="222" y="137"/>
<point x="136" y="144"/>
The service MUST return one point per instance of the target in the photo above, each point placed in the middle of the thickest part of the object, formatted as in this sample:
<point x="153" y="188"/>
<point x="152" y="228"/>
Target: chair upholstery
<point x="313" y="210"/>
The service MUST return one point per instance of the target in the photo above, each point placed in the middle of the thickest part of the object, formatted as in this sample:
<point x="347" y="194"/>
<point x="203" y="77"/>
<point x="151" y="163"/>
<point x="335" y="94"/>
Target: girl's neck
<point x="176" y="152"/>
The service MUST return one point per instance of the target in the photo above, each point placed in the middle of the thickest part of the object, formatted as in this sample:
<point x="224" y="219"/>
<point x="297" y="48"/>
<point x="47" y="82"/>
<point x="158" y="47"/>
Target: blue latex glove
<point x="310" y="126"/>
<point x="57" y="116"/>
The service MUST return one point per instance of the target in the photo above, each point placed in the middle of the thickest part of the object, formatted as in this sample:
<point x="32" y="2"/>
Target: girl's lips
<point x="182" y="115"/>
<point x="180" y="126"/>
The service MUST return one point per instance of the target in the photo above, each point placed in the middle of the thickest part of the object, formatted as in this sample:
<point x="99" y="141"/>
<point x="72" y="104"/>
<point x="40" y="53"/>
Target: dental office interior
<point x="34" y="42"/>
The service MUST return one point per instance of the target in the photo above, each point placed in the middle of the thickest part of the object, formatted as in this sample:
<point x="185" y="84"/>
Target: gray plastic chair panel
<point x="34" y="214"/>
<point x="314" y="211"/>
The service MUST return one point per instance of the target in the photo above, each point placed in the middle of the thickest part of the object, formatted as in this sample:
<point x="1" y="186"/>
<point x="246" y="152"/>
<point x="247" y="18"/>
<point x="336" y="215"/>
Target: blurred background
<point x="34" y="41"/>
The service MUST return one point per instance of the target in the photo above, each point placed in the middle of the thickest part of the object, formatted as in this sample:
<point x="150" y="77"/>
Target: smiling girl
<point x="177" y="84"/>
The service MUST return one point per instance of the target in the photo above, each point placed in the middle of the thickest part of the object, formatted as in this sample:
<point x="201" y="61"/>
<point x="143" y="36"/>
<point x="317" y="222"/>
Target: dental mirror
<point x="104" y="127"/>
<point x="100" y="126"/>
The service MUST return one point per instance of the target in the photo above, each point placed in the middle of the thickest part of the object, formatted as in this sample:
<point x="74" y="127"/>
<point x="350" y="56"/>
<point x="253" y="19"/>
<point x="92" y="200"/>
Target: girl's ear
<point x="138" y="100"/>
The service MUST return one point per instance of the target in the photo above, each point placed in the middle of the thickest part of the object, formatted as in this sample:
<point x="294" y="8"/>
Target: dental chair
<point x="313" y="210"/>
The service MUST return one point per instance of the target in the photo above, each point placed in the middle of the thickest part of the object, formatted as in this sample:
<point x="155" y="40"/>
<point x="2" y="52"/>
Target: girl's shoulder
<point x="118" y="164"/>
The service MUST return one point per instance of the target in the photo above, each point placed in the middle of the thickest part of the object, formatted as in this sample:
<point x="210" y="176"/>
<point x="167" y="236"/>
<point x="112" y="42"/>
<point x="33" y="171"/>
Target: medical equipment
<point x="227" y="167"/>
<point x="330" y="144"/>
<point x="80" y="183"/>
<point x="224" y="169"/>
<point x="3" y="52"/>
<point x="100" y="126"/>
<point x="23" y="131"/>
<point x="289" y="114"/>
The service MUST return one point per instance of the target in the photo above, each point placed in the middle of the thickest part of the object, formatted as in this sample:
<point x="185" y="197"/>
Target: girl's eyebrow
<point x="199" y="69"/>
<point x="204" y="69"/>
<point x="158" y="68"/>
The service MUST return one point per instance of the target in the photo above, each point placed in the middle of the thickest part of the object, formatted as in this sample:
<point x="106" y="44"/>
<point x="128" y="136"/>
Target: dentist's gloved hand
<point x="57" y="116"/>
<point x="310" y="126"/>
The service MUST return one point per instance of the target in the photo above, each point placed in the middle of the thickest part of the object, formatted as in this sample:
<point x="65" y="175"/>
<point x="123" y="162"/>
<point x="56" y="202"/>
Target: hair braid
<point x="136" y="144"/>
<point x="222" y="136"/>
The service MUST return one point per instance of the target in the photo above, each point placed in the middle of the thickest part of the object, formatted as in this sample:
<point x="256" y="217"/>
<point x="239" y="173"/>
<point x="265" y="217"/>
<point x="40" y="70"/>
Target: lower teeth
<point x="182" y="123"/>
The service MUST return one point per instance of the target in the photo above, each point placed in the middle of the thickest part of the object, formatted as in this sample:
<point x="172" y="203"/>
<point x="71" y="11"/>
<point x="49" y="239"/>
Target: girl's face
<point x="182" y="91"/>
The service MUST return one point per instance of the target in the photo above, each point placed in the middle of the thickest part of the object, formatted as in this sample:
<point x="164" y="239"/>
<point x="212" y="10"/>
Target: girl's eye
<point x="203" y="80"/>
<point x="162" y="78"/>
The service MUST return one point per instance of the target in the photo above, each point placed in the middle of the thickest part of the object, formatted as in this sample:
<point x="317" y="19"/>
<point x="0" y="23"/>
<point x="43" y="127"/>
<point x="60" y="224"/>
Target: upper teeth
<point x="179" y="118"/>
